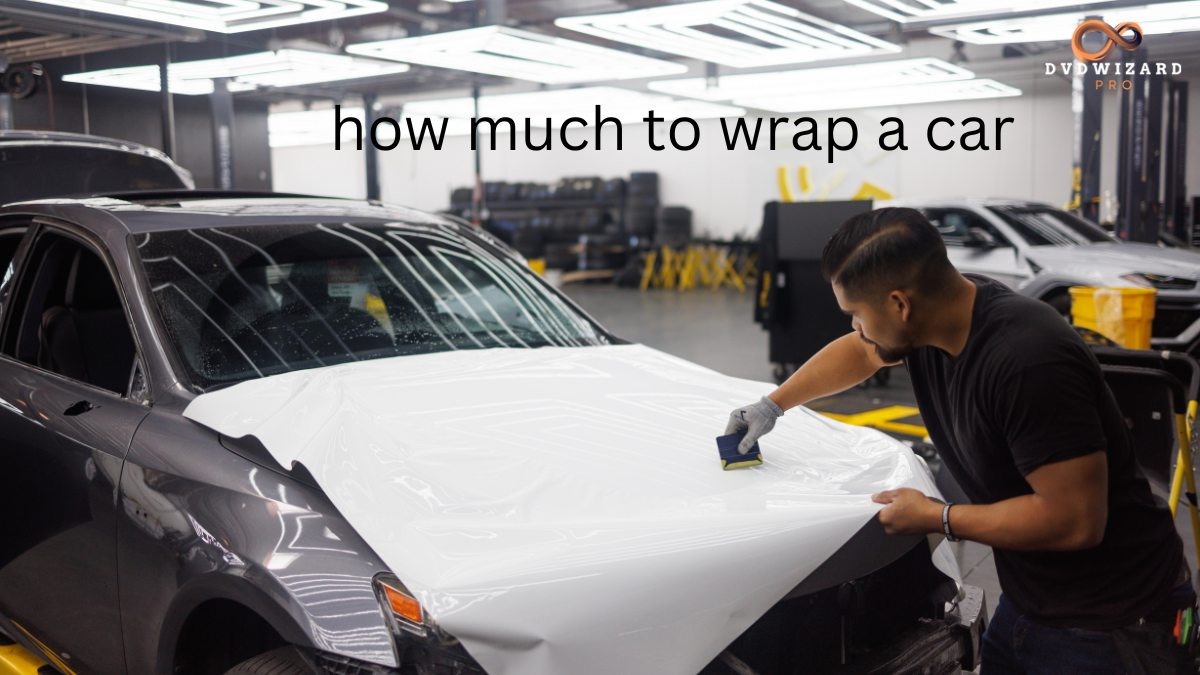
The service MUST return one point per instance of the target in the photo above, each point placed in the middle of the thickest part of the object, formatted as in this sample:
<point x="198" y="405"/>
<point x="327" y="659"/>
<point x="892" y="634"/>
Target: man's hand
<point x="755" y="419"/>
<point x="908" y="511"/>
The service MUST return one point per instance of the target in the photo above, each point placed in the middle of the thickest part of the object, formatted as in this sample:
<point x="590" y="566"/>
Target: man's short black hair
<point x="880" y="251"/>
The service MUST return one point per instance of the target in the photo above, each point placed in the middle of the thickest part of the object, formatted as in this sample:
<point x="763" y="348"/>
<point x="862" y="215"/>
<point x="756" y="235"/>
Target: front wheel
<point x="282" y="661"/>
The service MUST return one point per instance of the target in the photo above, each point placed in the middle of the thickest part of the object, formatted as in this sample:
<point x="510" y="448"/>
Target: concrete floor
<point x="716" y="329"/>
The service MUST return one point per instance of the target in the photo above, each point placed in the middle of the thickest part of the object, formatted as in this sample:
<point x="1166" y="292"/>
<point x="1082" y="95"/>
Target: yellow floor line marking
<point x="883" y="419"/>
<point x="16" y="660"/>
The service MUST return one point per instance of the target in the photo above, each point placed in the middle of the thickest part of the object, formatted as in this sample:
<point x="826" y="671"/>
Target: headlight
<point x="1160" y="281"/>
<point x="402" y="610"/>
<point x="417" y="640"/>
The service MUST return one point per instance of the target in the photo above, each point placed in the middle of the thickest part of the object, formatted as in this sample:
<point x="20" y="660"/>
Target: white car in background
<point x="1042" y="251"/>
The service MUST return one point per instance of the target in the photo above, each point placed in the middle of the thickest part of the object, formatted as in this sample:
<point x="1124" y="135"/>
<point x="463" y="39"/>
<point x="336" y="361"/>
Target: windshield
<point x="29" y="172"/>
<point x="1044" y="226"/>
<point x="246" y="302"/>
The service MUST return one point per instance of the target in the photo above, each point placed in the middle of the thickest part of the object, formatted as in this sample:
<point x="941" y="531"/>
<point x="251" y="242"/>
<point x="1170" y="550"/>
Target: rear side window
<point x="67" y="316"/>
<point x="1044" y="226"/>
<point x="29" y="172"/>
<point x="9" y="241"/>
<point x="953" y="224"/>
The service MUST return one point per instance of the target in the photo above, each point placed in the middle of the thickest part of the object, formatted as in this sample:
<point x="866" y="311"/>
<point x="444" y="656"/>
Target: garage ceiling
<point x="32" y="35"/>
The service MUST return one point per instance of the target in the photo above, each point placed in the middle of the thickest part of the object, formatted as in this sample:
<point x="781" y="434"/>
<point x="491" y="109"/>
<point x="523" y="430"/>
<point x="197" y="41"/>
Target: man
<point x="1091" y="569"/>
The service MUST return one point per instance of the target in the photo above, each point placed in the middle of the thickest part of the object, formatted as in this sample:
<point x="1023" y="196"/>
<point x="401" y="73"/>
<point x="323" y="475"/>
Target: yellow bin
<point x="1123" y="315"/>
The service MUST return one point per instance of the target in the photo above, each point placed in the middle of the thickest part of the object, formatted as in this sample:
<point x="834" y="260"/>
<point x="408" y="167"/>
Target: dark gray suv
<point x="138" y="541"/>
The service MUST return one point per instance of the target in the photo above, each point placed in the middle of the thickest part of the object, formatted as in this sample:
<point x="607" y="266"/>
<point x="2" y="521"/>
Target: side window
<point x="954" y="223"/>
<point x="10" y="239"/>
<point x="67" y="316"/>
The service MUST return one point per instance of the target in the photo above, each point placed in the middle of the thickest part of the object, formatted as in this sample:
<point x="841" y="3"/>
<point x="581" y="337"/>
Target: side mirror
<point x="977" y="237"/>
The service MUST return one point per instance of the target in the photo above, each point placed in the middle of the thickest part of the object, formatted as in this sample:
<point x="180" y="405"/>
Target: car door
<point x="1000" y="263"/>
<point x="65" y="426"/>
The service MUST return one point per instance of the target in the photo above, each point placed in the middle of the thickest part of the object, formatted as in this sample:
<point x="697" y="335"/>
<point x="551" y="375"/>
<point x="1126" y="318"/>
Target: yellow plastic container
<point x="538" y="265"/>
<point x="1123" y="315"/>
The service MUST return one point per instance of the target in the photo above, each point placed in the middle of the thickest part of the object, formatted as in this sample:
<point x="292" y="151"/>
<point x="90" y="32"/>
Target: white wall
<point x="727" y="189"/>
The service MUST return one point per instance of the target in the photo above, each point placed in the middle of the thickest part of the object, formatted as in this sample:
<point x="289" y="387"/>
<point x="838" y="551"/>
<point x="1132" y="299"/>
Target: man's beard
<point x="890" y="355"/>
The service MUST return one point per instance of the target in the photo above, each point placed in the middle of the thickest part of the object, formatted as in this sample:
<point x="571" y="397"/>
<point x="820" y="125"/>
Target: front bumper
<point x="946" y="646"/>
<point x="1176" y="323"/>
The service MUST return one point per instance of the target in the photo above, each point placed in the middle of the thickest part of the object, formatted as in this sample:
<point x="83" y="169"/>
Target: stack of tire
<point x="529" y="242"/>
<point x="600" y="252"/>
<point x="611" y="190"/>
<point x="461" y="196"/>
<point x="641" y="205"/>
<point x="674" y="227"/>
<point x="561" y="256"/>
<point x="577" y="188"/>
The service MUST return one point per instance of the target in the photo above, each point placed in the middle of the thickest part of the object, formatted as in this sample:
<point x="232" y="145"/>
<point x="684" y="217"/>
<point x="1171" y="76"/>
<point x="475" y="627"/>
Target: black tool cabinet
<point x="794" y="303"/>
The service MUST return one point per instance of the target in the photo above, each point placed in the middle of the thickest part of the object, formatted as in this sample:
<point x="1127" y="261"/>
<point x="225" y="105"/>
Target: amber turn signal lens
<point x="403" y="605"/>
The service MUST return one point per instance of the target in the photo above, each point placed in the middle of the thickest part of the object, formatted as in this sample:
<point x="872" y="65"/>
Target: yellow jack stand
<point x="1184" y="471"/>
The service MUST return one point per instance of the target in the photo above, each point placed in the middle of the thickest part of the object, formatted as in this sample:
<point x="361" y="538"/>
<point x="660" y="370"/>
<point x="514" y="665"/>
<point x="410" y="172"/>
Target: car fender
<point x="202" y="522"/>
<point x="222" y="586"/>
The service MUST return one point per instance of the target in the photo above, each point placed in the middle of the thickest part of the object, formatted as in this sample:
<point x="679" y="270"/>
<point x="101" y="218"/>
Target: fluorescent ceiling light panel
<point x="519" y="54"/>
<point x="227" y="16"/>
<point x="624" y="104"/>
<point x="941" y="10"/>
<point x="738" y="33"/>
<point x="862" y="76"/>
<point x="1157" y="19"/>
<point x="852" y="99"/>
<point x="315" y="127"/>
<point x="864" y="85"/>
<point x="284" y="68"/>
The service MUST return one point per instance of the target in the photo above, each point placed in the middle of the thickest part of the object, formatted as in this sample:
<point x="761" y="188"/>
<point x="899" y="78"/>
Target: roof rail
<point x="192" y="195"/>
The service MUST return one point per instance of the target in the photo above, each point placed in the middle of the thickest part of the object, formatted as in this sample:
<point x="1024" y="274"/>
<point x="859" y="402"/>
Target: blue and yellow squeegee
<point x="731" y="459"/>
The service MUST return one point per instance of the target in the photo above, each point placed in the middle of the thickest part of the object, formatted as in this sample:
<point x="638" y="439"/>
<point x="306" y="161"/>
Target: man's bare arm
<point x="1067" y="511"/>
<point x="842" y="364"/>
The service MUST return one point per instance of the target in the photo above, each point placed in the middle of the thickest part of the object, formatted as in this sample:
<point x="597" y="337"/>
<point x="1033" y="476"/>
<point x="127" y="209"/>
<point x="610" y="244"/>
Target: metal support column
<point x="1133" y="223"/>
<point x="370" y="114"/>
<point x="1175" y="174"/>
<point x="6" y="111"/>
<point x="495" y="13"/>
<point x="222" y="126"/>
<point x="168" y="105"/>
<point x="1152" y="168"/>
<point x="6" y="99"/>
<point x="477" y="195"/>
<point x="1087" y="104"/>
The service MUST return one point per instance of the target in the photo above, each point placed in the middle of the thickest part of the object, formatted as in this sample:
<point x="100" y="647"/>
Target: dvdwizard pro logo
<point x="1115" y="37"/>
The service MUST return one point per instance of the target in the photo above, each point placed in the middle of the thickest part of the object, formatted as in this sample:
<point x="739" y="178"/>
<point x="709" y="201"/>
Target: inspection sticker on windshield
<point x="342" y="278"/>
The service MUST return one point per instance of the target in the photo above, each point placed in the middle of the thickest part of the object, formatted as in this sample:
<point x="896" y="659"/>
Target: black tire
<point x="282" y="661"/>
<point x="1061" y="302"/>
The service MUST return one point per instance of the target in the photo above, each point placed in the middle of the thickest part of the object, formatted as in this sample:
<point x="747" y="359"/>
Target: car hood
<point x="563" y="510"/>
<point x="1104" y="263"/>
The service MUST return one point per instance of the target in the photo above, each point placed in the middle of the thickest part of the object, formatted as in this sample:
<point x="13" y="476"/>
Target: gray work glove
<point x="755" y="419"/>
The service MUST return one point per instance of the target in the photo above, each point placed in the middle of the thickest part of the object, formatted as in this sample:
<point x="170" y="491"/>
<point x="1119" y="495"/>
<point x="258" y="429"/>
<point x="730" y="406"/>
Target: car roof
<point x="165" y="210"/>
<point x="22" y="137"/>
<point x="64" y="139"/>
<point x="967" y="202"/>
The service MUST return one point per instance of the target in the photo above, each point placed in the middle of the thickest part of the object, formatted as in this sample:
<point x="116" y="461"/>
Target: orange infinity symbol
<point x="1114" y="38"/>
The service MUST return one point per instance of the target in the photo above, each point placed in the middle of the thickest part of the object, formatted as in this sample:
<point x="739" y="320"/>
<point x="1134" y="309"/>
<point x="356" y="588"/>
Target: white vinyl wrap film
<point x="563" y="510"/>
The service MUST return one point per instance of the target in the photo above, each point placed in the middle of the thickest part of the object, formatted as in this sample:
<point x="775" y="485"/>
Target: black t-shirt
<point x="1026" y="391"/>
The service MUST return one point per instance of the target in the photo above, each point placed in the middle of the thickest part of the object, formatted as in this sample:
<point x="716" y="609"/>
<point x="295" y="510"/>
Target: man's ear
<point x="902" y="303"/>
